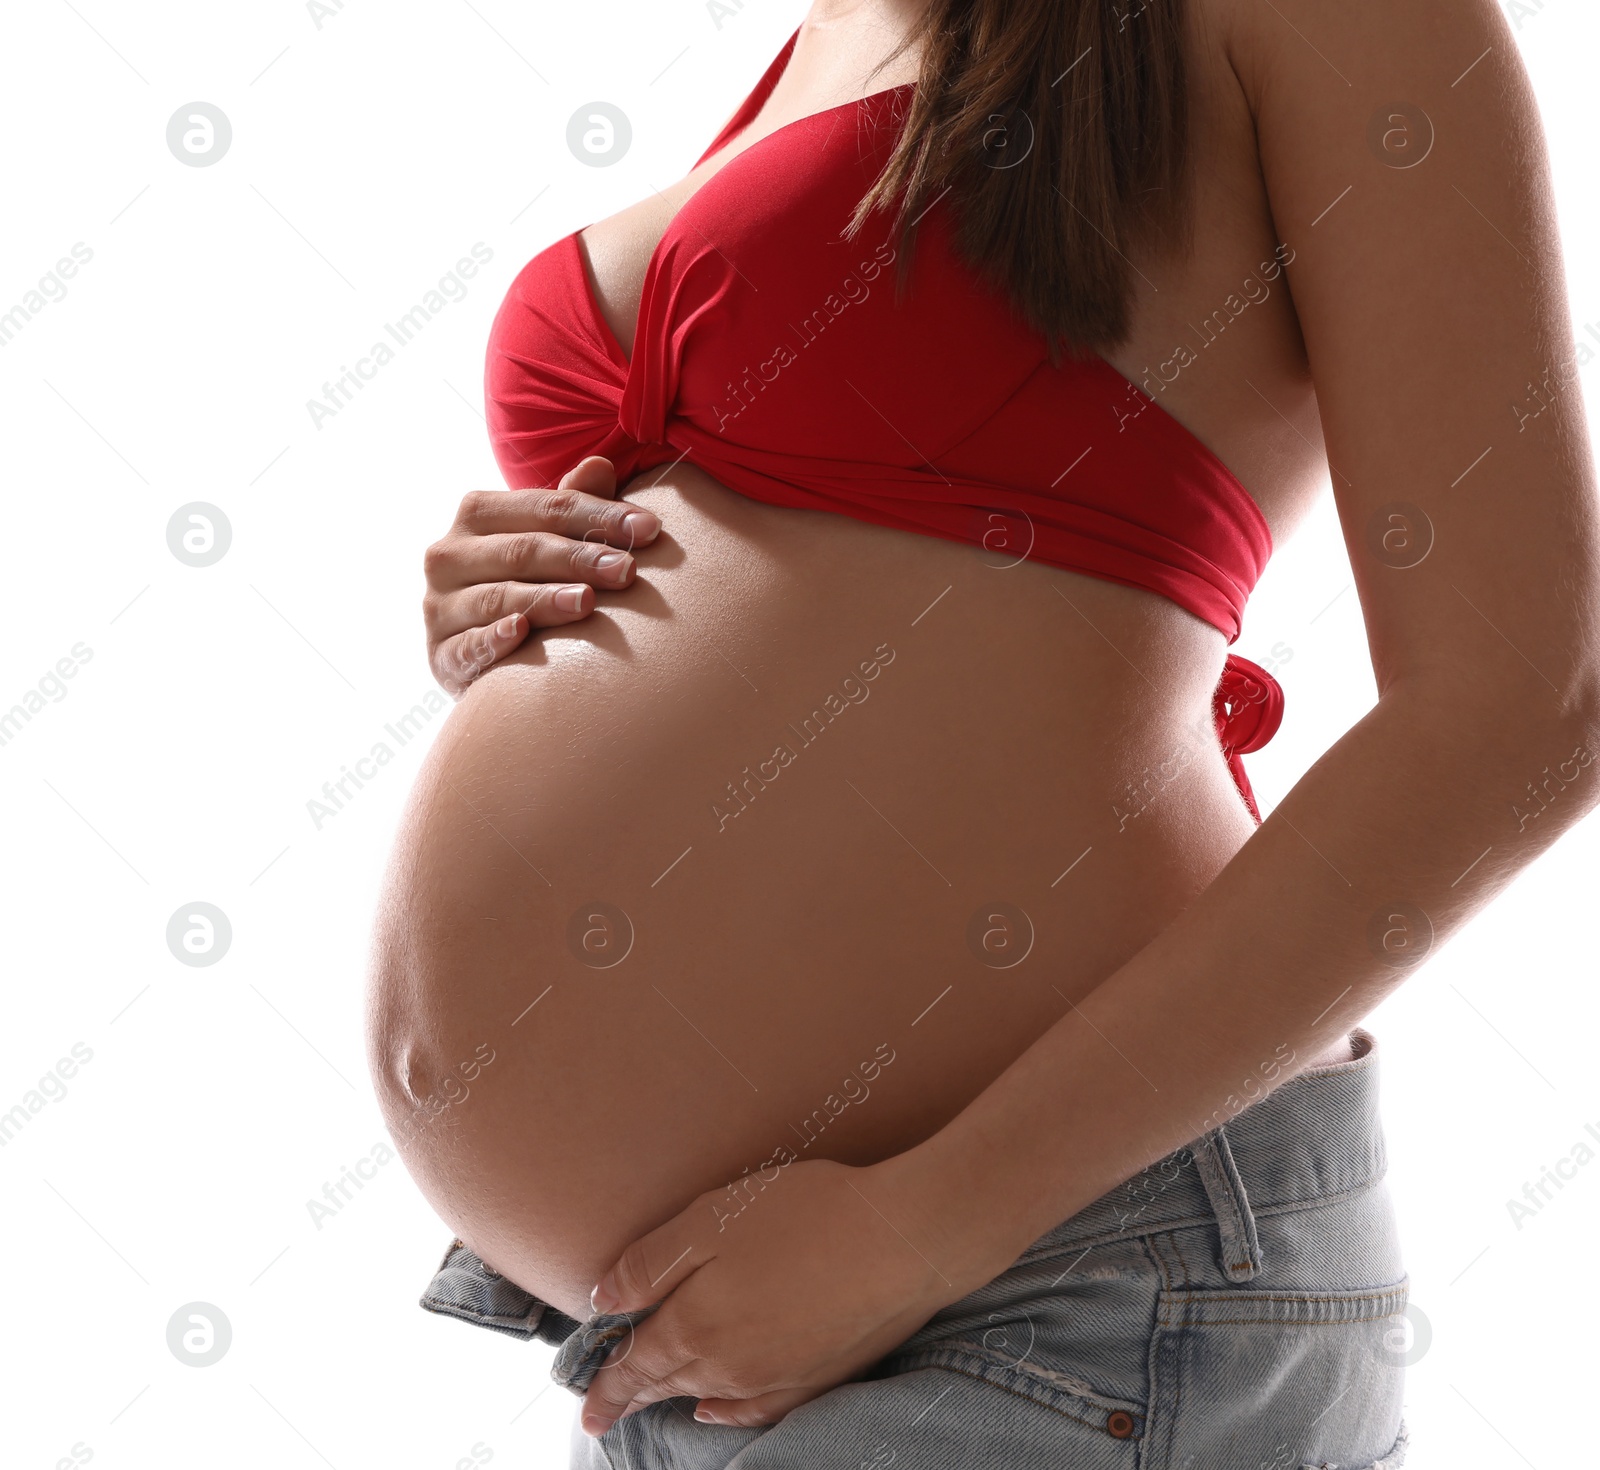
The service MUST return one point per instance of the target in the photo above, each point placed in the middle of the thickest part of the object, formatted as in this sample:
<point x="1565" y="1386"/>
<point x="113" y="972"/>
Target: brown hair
<point x="1059" y="127"/>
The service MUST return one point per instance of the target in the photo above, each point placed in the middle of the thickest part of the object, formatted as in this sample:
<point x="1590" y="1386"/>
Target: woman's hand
<point x="774" y="1293"/>
<point x="521" y="559"/>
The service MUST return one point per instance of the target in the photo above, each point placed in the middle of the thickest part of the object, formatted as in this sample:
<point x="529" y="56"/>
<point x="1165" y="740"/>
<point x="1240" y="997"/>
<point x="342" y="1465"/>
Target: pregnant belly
<point x="787" y="852"/>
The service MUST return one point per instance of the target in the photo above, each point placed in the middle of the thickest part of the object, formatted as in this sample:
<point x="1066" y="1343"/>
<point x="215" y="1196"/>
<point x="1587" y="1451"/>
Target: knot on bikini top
<point x="1248" y="707"/>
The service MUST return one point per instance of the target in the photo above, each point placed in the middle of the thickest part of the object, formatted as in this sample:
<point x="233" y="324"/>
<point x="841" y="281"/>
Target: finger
<point x="650" y="1268"/>
<point x="459" y="660"/>
<point x="641" y="1370"/>
<point x="462" y="560"/>
<point x="594" y="475"/>
<point x="767" y="1408"/>
<point x="578" y="513"/>
<point x="673" y="1387"/>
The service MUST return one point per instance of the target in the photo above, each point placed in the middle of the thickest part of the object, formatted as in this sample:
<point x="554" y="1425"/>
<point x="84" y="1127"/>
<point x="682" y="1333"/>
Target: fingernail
<point x="507" y="627"/>
<point x="594" y="1425"/>
<point x="611" y="563"/>
<point x="640" y="525"/>
<point x="569" y="599"/>
<point x="601" y="1300"/>
<point x="705" y="1416"/>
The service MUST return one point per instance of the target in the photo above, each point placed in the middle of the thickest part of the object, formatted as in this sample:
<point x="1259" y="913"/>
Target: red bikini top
<point x="771" y="352"/>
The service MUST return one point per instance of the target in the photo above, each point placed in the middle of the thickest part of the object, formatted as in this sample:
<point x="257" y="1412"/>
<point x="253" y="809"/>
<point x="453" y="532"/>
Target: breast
<point x="794" y="845"/>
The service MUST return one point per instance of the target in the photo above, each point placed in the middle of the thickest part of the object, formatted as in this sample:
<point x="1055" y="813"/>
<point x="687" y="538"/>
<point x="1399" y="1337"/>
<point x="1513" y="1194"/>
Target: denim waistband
<point x="1312" y="1139"/>
<point x="464" y="1287"/>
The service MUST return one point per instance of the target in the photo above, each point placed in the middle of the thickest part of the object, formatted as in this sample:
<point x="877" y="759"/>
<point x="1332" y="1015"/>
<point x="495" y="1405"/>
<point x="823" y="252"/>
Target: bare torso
<point x="1022" y="742"/>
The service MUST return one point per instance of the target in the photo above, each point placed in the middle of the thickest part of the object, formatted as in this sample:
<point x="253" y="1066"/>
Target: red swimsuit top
<point x="771" y="352"/>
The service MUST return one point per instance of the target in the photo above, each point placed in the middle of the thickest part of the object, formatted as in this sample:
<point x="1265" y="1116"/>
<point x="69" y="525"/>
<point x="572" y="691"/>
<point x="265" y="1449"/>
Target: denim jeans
<point x="1239" y="1305"/>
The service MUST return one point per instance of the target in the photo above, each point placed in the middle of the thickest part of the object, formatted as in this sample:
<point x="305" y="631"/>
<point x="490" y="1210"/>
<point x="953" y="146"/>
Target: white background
<point x="369" y="154"/>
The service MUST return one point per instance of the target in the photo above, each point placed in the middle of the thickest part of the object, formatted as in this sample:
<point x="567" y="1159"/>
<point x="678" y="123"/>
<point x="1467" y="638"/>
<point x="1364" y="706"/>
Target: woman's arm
<point x="1429" y="286"/>
<point x="1433" y="305"/>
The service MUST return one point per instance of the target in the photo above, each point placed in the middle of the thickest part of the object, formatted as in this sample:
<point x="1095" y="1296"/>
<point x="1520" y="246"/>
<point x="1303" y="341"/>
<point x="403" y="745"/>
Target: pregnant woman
<point x="835" y="981"/>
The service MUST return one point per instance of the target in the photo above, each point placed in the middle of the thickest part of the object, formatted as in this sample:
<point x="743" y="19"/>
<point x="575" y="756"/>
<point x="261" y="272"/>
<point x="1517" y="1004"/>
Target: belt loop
<point x="1241" y="1250"/>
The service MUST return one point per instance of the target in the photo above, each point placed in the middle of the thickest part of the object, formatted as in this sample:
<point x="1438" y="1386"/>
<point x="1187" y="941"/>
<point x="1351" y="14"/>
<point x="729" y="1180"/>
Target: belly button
<point x="404" y="1067"/>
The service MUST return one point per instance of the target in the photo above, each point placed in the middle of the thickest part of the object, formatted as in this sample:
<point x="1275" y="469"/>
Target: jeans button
<point x="1119" y="1425"/>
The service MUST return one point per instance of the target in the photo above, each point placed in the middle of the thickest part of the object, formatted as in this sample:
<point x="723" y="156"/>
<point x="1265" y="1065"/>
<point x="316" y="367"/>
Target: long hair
<point x="1060" y="130"/>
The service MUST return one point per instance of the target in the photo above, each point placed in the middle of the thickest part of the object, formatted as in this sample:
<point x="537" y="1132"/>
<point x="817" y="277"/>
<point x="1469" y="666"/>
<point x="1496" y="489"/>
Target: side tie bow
<point x="1248" y="705"/>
